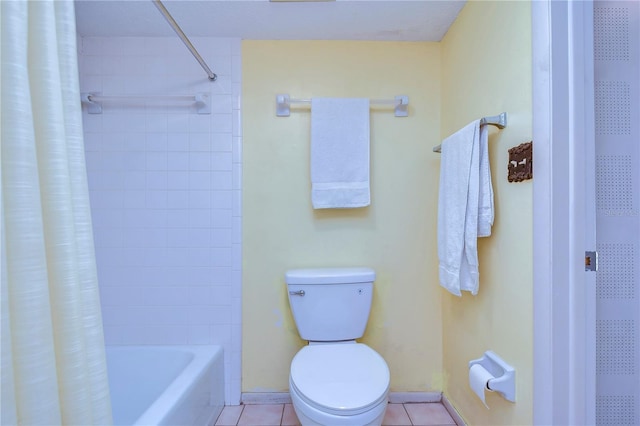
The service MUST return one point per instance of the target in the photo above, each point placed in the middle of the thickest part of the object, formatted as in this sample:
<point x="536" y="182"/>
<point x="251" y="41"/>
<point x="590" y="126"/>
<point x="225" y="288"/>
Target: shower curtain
<point x="53" y="360"/>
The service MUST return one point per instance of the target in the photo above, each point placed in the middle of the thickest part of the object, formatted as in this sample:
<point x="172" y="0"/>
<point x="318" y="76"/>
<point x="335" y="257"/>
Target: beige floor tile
<point x="429" y="414"/>
<point x="261" y="415"/>
<point x="289" y="417"/>
<point x="230" y="415"/>
<point x="396" y="416"/>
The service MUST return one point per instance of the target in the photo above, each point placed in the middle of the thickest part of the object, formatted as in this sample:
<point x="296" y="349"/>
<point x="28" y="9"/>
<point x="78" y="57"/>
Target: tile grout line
<point x="407" y="413"/>
<point x="283" y="405"/>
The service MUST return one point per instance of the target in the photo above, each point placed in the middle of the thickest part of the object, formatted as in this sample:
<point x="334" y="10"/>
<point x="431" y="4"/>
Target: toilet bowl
<point x="339" y="384"/>
<point x="335" y="381"/>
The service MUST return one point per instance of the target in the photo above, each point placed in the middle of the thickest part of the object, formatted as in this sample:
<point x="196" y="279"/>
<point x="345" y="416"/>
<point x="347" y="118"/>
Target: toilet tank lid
<point x="330" y="276"/>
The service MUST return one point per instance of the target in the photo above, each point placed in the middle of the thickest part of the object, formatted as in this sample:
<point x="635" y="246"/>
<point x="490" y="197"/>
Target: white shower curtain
<point x="53" y="361"/>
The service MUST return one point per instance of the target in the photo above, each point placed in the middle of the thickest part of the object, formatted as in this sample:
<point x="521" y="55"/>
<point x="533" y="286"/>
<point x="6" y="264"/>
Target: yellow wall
<point x="482" y="67"/>
<point x="395" y="235"/>
<point x="486" y="69"/>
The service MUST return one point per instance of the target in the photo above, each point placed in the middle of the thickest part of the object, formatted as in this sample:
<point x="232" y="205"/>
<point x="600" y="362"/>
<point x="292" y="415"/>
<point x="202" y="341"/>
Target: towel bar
<point x="94" y="100"/>
<point x="500" y="121"/>
<point x="283" y="104"/>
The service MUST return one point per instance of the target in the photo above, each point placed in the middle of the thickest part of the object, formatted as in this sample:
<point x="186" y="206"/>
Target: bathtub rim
<point x="203" y="357"/>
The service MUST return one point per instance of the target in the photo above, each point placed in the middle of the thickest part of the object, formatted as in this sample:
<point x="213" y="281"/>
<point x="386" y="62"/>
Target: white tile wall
<point x="165" y="185"/>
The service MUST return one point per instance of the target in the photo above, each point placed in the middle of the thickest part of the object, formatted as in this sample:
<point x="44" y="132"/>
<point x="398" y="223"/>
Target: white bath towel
<point x="339" y="153"/>
<point x="465" y="207"/>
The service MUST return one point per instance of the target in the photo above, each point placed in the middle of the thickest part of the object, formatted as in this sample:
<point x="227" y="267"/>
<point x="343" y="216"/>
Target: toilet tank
<point x="330" y="304"/>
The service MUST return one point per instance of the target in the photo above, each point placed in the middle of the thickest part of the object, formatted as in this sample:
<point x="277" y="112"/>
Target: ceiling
<point x="393" y="20"/>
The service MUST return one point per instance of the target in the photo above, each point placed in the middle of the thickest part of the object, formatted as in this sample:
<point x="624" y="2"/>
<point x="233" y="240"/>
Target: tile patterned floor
<point x="416" y="414"/>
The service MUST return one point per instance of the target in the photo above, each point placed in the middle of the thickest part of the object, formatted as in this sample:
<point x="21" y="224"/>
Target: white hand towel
<point x="340" y="153"/>
<point x="465" y="207"/>
<point x="485" y="198"/>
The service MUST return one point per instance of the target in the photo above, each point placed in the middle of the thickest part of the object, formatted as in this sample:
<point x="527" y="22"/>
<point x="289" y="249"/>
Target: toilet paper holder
<point x="504" y="375"/>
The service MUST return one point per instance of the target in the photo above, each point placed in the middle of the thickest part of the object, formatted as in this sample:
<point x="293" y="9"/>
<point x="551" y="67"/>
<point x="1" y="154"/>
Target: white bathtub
<point x="166" y="385"/>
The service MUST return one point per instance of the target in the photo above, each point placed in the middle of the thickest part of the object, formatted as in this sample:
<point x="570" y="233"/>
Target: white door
<point x="617" y="141"/>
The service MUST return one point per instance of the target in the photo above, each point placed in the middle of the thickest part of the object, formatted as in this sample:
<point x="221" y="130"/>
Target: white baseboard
<point x="285" y="398"/>
<point x="266" y="398"/>
<point x="453" y="412"/>
<point x="407" y="397"/>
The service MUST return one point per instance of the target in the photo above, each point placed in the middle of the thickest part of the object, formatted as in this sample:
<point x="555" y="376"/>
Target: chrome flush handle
<point x="297" y="293"/>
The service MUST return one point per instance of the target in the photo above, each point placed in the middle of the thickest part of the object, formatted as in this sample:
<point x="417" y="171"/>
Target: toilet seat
<point x="342" y="379"/>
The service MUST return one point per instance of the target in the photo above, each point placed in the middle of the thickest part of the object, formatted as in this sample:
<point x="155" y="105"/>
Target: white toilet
<point x="334" y="380"/>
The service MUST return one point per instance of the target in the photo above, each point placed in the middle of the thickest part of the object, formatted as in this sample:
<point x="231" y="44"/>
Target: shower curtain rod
<point x="184" y="38"/>
<point x="500" y="121"/>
